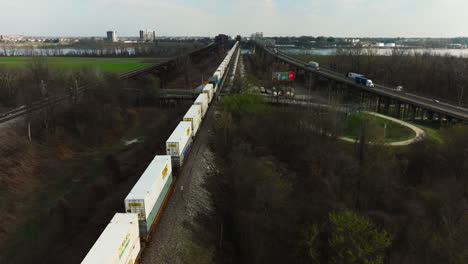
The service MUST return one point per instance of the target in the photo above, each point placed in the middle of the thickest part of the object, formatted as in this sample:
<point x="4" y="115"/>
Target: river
<point x="383" y="52"/>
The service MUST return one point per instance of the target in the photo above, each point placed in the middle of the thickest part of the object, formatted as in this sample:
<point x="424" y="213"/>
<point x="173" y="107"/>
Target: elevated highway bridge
<point x="401" y="102"/>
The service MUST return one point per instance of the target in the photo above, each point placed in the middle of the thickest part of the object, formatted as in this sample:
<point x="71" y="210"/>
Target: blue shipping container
<point x="361" y="80"/>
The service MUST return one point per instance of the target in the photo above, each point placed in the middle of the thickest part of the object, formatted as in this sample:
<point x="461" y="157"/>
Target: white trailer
<point x="194" y="115"/>
<point x="209" y="91"/>
<point x="119" y="243"/>
<point x="202" y="101"/>
<point x="147" y="196"/>
<point x="218" y="75"/>
<point x="178" y="144"/>
<point x="352" y="75"/>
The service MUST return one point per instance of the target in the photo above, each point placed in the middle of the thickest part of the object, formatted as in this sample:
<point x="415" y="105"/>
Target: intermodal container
<point x="178" y="144"/>
<point x="194" y="115"/>
<point x="202" y="101"/>
<point x="217" y="74"/>
<point x="352" y="75"/>
<point x="209" y="91"/>
<point x="146" y="197"/>
<point x="119" y="243"/>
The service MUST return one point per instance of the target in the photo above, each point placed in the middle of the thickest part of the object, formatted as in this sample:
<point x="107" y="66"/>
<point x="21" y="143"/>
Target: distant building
<point x="270" y="42"/>
<point x="12" y="38"/>
<point x="258" y="36"/>
<point x="390" y="45"/>
<point x="380" y="44"/>
<point x="112" y="36"/>
<point x="147" y="35"/>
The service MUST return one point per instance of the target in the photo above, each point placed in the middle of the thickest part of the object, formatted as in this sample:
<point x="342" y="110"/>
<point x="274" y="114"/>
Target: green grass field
<point x="380" y="129"/>
<point x="115" y="65"/>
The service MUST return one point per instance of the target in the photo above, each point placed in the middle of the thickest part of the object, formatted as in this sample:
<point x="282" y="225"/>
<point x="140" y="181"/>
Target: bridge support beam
<point x="379" y="99"/>
<point x="398" y="109"/>
<point x="386" y="105"/>
<point x="413" y="112"/>
<point x="430" y="115"/>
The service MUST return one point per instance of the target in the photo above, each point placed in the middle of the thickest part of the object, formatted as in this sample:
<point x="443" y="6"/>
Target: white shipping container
<point x="118" y="243"/>
<point x="220" y="70"/>
<point x="178" y="144"/>
<point x="135" y="254"/>
<point x="146" y="197"/>
<point x="194" y="115"/>
<point x="218" y="74"/>
<point x="202" y="101"/>
<point x="209" y="91"/>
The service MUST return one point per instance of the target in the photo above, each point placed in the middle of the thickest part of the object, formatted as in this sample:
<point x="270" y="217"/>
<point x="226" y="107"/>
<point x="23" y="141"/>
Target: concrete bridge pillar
<point x="449" y="119"/>
<point x="413" y="112"/>
<point x="378" y="104"/>
<point x="441" y="118"/>
<point x="398" y="110"/>
<point x="430" y="115"/>
<point x="330" y="90"/>
<point x="386" y="105"/>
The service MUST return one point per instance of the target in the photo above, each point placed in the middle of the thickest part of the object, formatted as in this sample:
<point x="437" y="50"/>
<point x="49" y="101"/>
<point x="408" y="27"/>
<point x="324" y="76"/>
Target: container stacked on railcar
<point x="179" y="143"/>
<point x="194" y="116"/>
<point x="118" y="243"/>
<point x="147" y="196"/>
<point x="202" y="101"/>
<point x="209" y="91"/>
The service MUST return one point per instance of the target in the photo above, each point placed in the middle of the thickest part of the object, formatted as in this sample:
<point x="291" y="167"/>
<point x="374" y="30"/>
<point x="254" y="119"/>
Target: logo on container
<point x="164" y="172"/>
<point x="124" y="245"/>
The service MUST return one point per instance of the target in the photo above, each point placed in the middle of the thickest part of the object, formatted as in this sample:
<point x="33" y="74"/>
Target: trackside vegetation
<point x="288" y="192"/>
<point x="380" y="129"/>
<point x="346" y="237"/>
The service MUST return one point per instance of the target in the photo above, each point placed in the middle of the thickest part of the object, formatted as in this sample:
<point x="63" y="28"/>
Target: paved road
<point x="420" y="134"/>
<point x="426" y="103"/>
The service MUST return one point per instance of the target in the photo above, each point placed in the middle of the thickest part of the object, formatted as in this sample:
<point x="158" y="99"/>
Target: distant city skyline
<point x="340" y="18"/>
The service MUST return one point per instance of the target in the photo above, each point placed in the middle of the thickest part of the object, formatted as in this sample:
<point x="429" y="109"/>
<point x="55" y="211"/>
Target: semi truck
<point x="358" y="78"/>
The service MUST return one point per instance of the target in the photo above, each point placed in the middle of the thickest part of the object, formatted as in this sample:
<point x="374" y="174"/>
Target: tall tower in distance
<point x="112" y="36"/>
<point x="147" y="35"/>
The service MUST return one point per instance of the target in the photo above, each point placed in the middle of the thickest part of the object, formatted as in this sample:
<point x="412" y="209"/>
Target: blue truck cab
<point x="364" y="81"/>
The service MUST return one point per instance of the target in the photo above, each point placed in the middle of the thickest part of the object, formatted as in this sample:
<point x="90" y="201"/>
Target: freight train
<point x="127" y="233"/>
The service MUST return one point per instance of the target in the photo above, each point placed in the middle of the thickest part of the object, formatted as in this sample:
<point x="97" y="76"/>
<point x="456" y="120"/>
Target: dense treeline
<point x="64" y="184"/>
<point x="288" y="194"/>
<point x="427" y="74"/>
<point x="328" y="41"/>
<point x="22" y="86"/>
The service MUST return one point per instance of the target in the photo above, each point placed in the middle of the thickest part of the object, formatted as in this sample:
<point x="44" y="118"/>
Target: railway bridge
<point x="161" y="70"/>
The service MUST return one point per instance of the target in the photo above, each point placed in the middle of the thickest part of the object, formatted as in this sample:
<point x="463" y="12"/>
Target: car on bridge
<point x="314" y="65"/>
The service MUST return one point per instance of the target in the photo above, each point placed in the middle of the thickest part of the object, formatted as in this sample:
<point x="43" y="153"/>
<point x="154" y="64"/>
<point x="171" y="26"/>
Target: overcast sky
<point x="340" y="18"/>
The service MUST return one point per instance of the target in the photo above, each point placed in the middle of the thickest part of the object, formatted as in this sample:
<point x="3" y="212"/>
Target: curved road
<point x="420" y="134"/>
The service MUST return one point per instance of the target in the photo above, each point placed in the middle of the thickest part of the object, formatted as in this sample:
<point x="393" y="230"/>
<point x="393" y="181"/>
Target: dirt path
<point x="169" y="241"/>
<point x="420" y="134"/>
